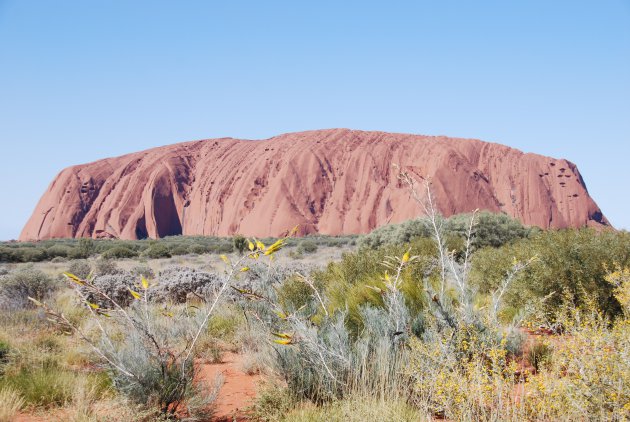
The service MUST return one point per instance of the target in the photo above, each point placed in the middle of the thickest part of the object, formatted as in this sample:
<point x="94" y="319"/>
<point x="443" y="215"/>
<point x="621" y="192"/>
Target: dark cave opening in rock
<point x="167" y="221"/>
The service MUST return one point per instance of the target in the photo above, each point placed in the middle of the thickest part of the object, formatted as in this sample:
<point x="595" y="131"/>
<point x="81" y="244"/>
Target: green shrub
<point x="86" y="247"/>
<point x="294" y="293"/>
<point x="179" y="250"/>
<point x="240" y="243"/>
<point x="272" y="403"/>
<point x="5" y="350"/>
<point x="142" y="271"/>
<point x="104" y="266"/>
<point x="395" y="234"/>
<point x="18" y="286"/>
<point x="58" y="251"/>
<point x="221" y="248"/>
<point x="344" y="282"/>
<point x="30" y="254"/>
<point x="539" y="354"/>
<point x="80" y="267"/>
<point x="307" y="246"/>
<point x="490" y="230"/>
<point x="225" y="323"/>
<point x="569" y="265"/>
<point x="157" y="250"/>
<point x="119" y="252"/>
<point x="76" y="253"/>
<point x="197" y="249"/>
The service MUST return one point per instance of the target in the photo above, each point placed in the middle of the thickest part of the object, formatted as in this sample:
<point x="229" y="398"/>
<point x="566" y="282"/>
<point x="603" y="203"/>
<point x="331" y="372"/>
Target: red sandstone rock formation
<point x="328" y="181"/>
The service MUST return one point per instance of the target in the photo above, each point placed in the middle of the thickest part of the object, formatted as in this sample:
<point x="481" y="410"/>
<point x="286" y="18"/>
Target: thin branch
<point x="312" y="286"/>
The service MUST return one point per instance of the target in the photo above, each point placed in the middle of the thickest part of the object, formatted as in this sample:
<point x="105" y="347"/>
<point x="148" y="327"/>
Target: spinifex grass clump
<point x="149" y="348"/>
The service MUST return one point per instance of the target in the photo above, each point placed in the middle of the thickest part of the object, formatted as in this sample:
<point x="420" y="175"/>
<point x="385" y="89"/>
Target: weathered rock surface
<point x="335" y="181"/>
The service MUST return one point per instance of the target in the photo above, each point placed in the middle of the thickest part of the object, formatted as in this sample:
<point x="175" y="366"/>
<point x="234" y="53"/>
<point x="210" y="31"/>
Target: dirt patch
<point x="238" y="390"/>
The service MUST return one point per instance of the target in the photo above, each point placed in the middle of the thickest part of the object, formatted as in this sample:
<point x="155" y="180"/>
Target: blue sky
<point x="82" y="80"/>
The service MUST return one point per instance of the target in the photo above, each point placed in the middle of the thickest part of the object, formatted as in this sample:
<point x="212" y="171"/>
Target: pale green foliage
<point x="16" y="287"/>
<point x="80" y="267"/>
<point x="104" y="266"/>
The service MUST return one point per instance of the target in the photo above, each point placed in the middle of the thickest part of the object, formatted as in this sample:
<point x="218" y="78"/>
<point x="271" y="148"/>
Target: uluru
<point x="333" y="182"/>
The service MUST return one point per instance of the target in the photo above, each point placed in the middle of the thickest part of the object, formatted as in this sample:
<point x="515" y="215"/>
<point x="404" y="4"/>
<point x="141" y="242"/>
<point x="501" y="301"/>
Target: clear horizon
<point x="81" y="83"/>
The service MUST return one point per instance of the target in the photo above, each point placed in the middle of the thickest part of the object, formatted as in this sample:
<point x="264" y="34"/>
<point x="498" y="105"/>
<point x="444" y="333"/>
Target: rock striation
<point x="336" y="181"/>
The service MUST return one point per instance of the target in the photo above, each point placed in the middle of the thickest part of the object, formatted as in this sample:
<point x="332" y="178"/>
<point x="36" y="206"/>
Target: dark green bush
<point x="58" y="251"/>
<point x="307" y="246"/>
<point x="395" y="234"/>
<point x="157" y="250"/>
<point x="119" y="252"/>
<point x="5" y="350"/>
<point x="240" y="243"/>
<point x="222" y="248"/>
<point x="86" y="247"/>
<point x="490" y="230"/>
<point x="179" y="250"/>
<point x="569" y="265"/>
<point x="197" y="249"/>
<point x="7" y="254"/>
<point x="31" y="254"/>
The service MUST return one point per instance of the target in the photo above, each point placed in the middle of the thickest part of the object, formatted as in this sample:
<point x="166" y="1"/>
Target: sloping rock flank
<point x="328" y="181"/>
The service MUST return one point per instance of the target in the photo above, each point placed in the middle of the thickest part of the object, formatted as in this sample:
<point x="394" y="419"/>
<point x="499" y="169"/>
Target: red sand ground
<point x="238" y="389"/>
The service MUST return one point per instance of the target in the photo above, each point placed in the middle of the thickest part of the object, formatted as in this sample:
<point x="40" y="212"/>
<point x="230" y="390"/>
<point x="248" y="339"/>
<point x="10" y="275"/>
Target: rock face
<point x="328" y="181"/>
